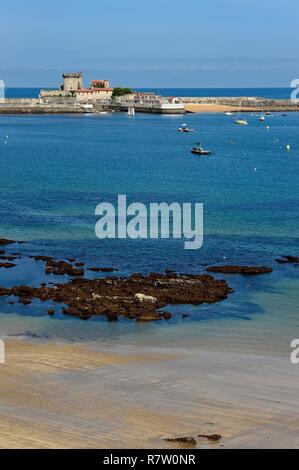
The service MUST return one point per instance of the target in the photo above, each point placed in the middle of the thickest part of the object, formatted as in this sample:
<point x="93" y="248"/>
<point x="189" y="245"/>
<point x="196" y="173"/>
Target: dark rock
<point x="60" y="268"/>
<point x="185" y="315"/>
<point x="211" y="437"/>
<point x="183" y="440"/>
<point x="25" y="301"/>
<point x="112" y="316"/>
<point x="149" y="316"/>
<point x="51" y="312"/>
<point x="7" y="265"/>
<point x="41" y="258"/>
<point x="114" y="297"/>
<point x="288" y="259"/>
<point x="102" y="270"/>
<point x="167" y="316"/>
<point x="8" y="258"/>
<point x="4" y="241"/>
<point x="245" y="270"/>
<point x="2" y="252"/>
<point x="79" y="264"/>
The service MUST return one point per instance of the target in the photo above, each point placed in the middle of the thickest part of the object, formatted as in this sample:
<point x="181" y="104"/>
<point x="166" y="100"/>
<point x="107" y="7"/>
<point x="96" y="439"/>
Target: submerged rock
<point x="103" y="270"/>
<point x="7" y="265"/>
<point x="60" y="268"/>
<point x="245" y="270"/>
<point x="288" y="259"/>
<point x="4" y="241"/>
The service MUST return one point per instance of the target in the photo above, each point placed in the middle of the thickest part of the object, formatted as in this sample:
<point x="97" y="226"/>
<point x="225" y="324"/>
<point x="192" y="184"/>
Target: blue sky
<point x="151" y="43"/>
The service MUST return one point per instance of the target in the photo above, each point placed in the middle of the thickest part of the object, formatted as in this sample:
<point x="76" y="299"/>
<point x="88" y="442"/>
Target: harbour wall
<point x="69" y="105"/>
<point x="244" y="103"/>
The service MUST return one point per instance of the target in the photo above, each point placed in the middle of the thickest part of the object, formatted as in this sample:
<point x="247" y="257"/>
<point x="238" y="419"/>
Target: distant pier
<point x="61" y="105"/>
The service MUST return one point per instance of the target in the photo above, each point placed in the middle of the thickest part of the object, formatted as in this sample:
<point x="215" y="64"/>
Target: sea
<point x="55" y="170"/>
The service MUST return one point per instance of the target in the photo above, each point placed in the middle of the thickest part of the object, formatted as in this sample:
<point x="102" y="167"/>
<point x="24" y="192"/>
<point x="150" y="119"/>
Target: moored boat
<point x="198" y="150"/>
<point x="241" y="122"/>
<point x="185" y="128"/>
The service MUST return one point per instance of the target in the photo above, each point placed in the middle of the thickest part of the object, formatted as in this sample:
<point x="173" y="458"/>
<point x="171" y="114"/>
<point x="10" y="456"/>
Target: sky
<point x="150" y="43"/>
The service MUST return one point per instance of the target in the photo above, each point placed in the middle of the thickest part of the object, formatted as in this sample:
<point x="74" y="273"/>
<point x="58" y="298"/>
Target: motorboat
<point x="241" y="122"/>
<point x="198" y="150"/>
<point x="185" y="128"/>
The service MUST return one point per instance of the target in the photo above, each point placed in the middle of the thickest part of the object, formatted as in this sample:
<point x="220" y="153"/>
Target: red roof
<point x="91" y="90"/>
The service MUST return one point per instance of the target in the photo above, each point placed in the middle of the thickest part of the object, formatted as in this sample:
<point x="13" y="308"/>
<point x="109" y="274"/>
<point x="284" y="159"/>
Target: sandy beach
<point x="79" y="396"/>
<point x="216" y="108"/>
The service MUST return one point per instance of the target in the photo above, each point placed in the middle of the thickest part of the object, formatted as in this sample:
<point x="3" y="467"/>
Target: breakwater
<point x="244" y="103"/>
<point x="62" y="105"/>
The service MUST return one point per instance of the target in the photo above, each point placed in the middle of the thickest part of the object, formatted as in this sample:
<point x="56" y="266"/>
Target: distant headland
<point x="72" y="97"/>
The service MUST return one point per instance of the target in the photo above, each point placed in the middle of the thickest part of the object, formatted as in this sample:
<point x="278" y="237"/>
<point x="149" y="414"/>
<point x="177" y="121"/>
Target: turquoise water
<point x="56" y="169"/>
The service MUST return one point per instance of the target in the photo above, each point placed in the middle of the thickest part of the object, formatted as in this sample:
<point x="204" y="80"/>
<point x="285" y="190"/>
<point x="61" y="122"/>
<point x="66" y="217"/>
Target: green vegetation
<point x="120" y="91"/>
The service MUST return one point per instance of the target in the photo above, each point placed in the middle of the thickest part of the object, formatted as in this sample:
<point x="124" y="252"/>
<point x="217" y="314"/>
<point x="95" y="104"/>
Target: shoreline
<point x="34" y="106"/>
<point x="136" y="397"/>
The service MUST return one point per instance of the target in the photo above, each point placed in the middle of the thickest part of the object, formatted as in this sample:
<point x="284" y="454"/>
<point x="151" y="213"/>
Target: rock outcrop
<point x="115" y="297"/>
<point x="245" y="270"/>
<point x="288" y="259"/>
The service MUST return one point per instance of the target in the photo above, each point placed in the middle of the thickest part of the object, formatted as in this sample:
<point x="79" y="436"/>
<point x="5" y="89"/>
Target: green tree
<point x="120" y="91"/>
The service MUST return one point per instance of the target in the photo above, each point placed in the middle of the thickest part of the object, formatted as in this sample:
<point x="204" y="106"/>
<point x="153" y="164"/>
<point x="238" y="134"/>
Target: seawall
<point x="243" y="104"/>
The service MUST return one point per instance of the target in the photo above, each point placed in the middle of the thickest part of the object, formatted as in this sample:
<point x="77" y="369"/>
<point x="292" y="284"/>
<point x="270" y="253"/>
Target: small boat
<point x="268" y="113"/>
<point x="241" y="122"/>
<point x="131" y="112"/>
<point x="229" y="113"/>
<point x="198" y="150"/>
<point x="262" y="118"/>
<point x="239" y="119"/>
<point x="184" y="128"/>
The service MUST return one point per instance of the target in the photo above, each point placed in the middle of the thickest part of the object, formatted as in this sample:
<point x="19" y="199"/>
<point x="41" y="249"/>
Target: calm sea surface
<point x="54" y="170"/>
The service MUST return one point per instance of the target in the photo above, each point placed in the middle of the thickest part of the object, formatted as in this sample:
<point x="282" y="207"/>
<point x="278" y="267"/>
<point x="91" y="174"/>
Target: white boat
<point x="229" y="113"/>
<point x="131" y="112"/>
<point x="240" y="120"/>
<point x="262" y="118"/>
<point x="185" y="128"/>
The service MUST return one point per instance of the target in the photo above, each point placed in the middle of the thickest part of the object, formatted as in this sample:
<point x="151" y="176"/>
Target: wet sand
<point x="97" y="396"/>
